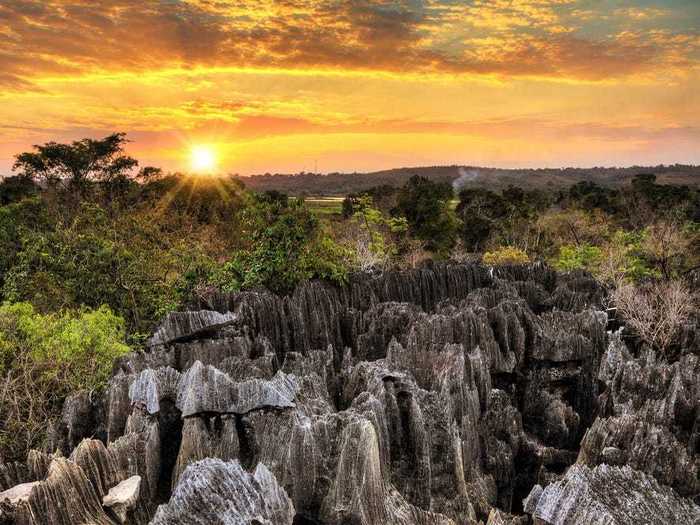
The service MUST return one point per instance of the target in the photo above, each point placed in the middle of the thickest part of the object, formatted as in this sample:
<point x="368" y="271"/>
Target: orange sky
<point x="356" y="85"/>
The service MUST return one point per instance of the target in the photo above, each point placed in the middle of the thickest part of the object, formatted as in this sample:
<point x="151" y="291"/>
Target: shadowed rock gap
<point x="170" y="427"/>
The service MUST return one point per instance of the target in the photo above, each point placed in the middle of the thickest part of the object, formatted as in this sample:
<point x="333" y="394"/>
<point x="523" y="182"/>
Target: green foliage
<point x="95" y="260"/>
<point x="583" y="257"/>
<point x="619" y="258"/>
<point x="286" y="246"/>
<point x="489" y="218"/>
<point x="78" y="346"/>
<point x="506" y="255"/>
<point x="329" y="260"/>
<point x="371" y="220"/>
<point x="181" y="201"/>
<point x="14" y="189"/>
<point x="625" y="258"/>
<point x="45" y="357"/>
<point x="589" y="195"/>
<point x="379" y="237"/>
<point x="425" y="204"/>
<point x="18" y="220"/>
<point x="659" y="196"/>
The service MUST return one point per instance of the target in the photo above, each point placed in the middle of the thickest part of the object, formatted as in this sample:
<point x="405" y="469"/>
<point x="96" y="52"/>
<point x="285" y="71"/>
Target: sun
<point x="203" y="159"/>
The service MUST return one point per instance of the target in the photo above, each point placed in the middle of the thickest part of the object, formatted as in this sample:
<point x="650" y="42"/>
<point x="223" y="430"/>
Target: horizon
<point x="408" y="168"/>
<point x="356" y="87"/>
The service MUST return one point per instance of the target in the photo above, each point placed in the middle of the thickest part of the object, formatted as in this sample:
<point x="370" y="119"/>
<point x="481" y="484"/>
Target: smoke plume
<point x="464" y="177"/>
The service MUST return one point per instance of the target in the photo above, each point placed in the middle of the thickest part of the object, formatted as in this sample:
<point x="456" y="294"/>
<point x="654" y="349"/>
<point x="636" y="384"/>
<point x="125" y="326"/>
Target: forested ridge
<point x="306" y="183"/>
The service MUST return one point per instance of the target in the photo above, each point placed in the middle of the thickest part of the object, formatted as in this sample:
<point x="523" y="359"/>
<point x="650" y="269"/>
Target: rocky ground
<point x="453" y="394"/>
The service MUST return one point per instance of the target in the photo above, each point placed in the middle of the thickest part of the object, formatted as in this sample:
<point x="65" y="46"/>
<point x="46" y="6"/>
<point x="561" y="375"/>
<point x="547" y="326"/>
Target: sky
<point x="356" y="85"/>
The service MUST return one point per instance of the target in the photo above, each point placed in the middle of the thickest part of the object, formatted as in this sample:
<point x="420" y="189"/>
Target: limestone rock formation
<point x="215" y="492"/>
<point x="450" y="394"/>
<point x="182" y="325"/>
<point x="607" y="494"/>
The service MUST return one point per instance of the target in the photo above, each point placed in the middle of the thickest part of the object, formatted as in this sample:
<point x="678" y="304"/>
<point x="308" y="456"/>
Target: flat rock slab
<point x="123" y="497"/>
<point x="18" y="492"/>
<point x="179" y="326"/>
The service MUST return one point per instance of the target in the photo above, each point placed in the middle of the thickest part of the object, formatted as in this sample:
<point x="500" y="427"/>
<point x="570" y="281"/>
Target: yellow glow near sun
<point x="203" y="159"/>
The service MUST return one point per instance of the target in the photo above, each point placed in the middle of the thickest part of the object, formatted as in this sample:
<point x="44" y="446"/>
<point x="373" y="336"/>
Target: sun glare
<point x="203" y="159"/>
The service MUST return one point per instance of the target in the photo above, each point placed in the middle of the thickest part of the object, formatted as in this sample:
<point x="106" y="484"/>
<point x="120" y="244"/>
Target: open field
<point x="324" y="206"/>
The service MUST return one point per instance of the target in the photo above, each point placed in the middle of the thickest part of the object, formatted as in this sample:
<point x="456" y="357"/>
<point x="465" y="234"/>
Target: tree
<point x="18" y="220"/>
<point x="646" y="191"/>
<point x="77" y="164"/>
<point x="14" y="189"/>
<point x="425" y="204"/>
<point x="286" y="245"/>
<point x="95" y="259"/>
<point x="482" y="212"/>
<point x="588" y="195"/>
<point x="376" y="238"/>
<point x="45" y="357"/>
<point x="191" y="200"/>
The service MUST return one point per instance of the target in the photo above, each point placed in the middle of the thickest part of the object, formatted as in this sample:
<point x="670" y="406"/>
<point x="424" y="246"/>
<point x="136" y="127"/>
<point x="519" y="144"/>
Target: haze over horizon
<point x="356" y="85"/>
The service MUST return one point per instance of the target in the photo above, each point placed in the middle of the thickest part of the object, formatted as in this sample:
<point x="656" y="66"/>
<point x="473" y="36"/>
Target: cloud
<point x="494" y="37"/>
<point x="403" y="81"/>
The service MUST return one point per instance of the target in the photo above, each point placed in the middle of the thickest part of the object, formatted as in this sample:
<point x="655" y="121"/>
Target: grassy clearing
<point x="325" y="205"/>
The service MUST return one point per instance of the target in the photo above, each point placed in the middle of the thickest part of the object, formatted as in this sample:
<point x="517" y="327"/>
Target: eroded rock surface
<point x="608" y="494"/>
<point x="215" y="492"/>
<point x="453" y="394"/>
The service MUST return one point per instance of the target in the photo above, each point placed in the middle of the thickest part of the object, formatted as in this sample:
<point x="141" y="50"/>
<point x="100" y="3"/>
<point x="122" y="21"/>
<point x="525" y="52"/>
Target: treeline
<point x="341" y="184"/>
<point x="640" y="231"/>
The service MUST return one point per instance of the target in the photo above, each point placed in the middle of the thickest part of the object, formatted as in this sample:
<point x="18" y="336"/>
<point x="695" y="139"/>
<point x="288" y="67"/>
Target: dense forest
<point x="95" y="251"/>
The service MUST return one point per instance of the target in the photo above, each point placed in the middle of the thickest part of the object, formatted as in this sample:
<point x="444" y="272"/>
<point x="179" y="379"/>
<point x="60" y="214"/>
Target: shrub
<point x="584" y="257"/>
<point x="43" y="358"/>
<point x="655" y="312"/>
<point x="506" y="255"/>
<point x="287" y="246"/>
<point x="623" y="260"/>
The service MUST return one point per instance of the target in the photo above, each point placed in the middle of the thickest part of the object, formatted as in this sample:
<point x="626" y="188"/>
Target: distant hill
<point x="467" y="176"/>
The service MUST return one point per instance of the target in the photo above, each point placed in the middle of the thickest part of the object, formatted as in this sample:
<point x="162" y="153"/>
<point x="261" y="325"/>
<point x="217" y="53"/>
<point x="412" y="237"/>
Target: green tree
<point x="14" y="189"/>
<point x="286" y="245"/>
<point x="18" y="220"/>
<point x="425" y="205"/>
<point x="483" y="213"/>
<point x="43" y="358"/>
<point x="96" y="259"/>
<point x="82" y="165"/>
<point x="588" y="195"/>
<point x="75" y="165"/>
